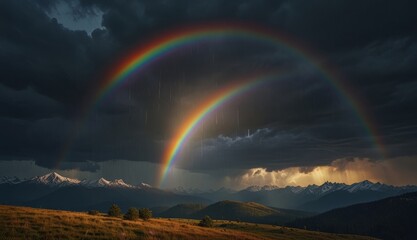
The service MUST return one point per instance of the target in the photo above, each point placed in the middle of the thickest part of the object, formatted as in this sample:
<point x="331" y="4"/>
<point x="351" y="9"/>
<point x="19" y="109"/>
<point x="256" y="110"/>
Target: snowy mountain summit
<point x="329" y="187"/>
<point x="102" y="182"/>
<point x="54" y="179"/>
<point x="257" y="188"/>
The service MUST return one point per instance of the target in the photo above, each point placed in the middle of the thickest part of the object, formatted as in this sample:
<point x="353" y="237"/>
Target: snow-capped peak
<point x="330" y="187"/>
<point x="254" y="188"/>
<point x="54" y="179"/>
<point x="102" y="182"/>
<point x="257" y="188"/>
<point x="120" y="183"/>
<point x="144" y="185"/>
<point x="364" y="185"/>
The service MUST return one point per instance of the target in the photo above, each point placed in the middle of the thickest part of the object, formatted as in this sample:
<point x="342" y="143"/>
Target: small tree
<point x="114" y="211"/>
<point x="132" y="214"/>
<point x="145" y="213"/>
<point x="206" y="222"/>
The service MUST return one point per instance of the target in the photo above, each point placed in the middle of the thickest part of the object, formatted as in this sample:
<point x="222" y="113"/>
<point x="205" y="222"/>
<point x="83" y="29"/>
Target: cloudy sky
<point x="299" y="130"/>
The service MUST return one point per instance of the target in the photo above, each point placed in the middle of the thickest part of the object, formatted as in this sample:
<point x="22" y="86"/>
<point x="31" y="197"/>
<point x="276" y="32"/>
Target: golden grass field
<point x="32" y="223"/>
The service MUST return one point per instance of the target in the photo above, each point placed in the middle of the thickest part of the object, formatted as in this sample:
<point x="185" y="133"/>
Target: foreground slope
<point x="30" y="223"/>
<point x="389" y="218"/>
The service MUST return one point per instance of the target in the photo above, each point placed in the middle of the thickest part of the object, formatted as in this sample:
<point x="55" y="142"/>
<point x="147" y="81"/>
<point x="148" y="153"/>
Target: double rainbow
<point x="179" y="38"/>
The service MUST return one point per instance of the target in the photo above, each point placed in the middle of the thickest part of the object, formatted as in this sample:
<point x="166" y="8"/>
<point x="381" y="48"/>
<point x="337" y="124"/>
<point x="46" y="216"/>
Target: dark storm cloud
<point x="81" y="166"/>
<point x="47" y="73"/>
<point x="324" y="23"/>
<point x="39" y="52"/>
<point x="341" y="25"/>
<point x="27" y="104"/>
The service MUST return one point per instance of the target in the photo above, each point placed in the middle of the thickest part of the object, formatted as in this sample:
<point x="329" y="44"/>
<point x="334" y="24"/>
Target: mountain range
<point x="55" y="180"/>
<point x="312" y="198"/>
<point x="363" y="208"/>
<point x="55" y="191"/>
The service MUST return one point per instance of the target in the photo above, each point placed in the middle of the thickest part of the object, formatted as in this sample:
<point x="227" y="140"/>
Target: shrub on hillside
<point x="132" y="214"/>
<point x="115" y="211"/>
<point x="206" y="222"/>
<point x="94" y="212"/>
<point x="145" y="213"/>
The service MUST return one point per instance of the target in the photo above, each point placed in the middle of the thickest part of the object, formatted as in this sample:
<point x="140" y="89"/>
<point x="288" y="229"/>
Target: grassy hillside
<point x="30" y="223"/>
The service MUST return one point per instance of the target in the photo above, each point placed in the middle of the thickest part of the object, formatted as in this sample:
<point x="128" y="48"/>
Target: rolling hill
<point x="31" y="223"/>
<point x="389" y="218"/>
<point x="182" y="210"/>
<point x="236" y="211"/>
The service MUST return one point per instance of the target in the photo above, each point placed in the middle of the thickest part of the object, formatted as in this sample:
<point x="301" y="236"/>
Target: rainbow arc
<point x="164" y="44"/>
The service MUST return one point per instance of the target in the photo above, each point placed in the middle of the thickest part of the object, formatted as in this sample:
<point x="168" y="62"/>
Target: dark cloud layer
<point x="48" y="72"/>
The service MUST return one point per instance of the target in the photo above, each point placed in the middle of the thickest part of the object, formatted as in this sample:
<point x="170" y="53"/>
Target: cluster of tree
<point x="131" y="214"/>
<point x="143" y="213"/>
<point x="206" y="222"/>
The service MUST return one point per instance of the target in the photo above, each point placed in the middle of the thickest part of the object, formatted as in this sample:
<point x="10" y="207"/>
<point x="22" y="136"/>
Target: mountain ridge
<point x="235" y="211"/>
<point x="387" y="218"/>
<point x="54" y="179"/>
<point x="311" y="198"/>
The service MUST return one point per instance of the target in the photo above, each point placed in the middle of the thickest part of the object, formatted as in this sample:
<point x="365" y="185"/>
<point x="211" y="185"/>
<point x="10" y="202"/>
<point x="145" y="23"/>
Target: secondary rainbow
<point x="178" y="39"/>
<point x="211" y="103"/>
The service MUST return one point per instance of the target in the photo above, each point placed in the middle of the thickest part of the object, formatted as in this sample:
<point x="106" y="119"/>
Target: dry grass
<point x="32" y="223"/>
